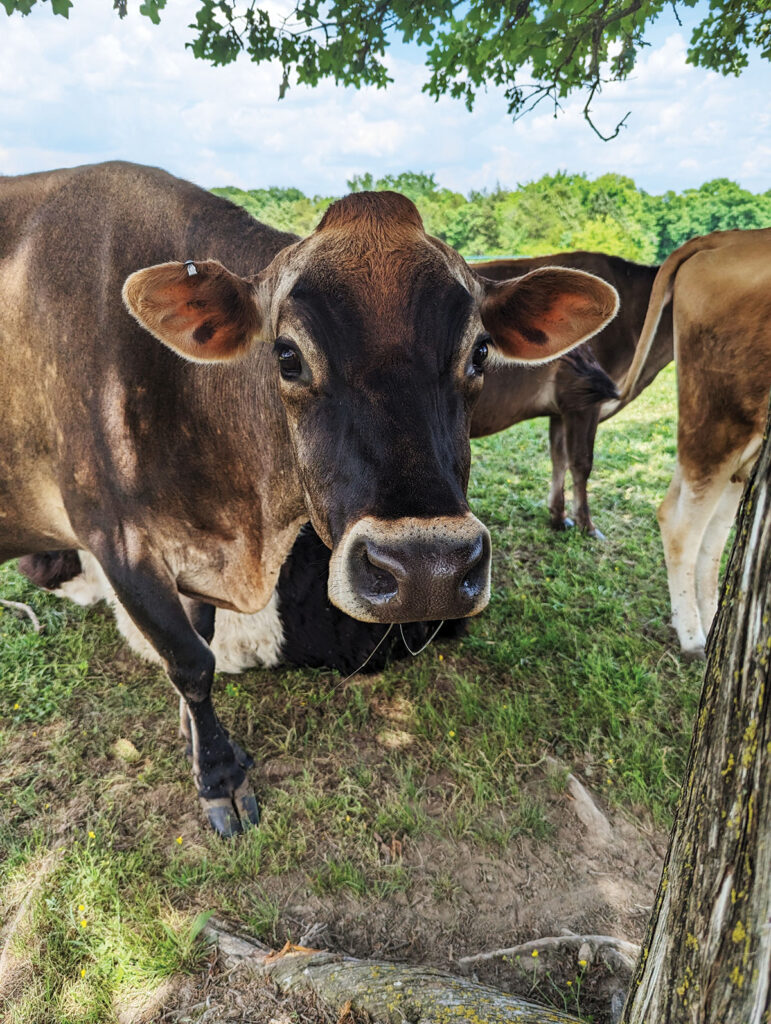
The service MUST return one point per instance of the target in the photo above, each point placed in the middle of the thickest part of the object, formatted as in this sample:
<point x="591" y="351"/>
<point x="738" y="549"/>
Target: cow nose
<point x="420" y="574"/>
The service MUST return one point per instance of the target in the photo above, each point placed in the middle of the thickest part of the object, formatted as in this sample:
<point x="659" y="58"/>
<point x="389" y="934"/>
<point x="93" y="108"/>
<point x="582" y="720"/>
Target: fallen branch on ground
<point x="390" y="993"/>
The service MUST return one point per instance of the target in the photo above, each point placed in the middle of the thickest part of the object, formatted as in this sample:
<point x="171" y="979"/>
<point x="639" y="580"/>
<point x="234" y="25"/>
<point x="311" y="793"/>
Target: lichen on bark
<point x="707" y="954"/>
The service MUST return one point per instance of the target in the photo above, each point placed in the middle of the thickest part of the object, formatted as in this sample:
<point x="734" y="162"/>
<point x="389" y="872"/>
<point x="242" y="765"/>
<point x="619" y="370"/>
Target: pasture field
<point x="410" y="815"/>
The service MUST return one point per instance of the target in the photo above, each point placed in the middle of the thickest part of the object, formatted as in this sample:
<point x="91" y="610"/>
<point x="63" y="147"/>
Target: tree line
<point x="557" y="212"/>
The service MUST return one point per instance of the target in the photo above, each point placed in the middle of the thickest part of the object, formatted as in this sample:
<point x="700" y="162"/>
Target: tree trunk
<point x="707" y="954"/>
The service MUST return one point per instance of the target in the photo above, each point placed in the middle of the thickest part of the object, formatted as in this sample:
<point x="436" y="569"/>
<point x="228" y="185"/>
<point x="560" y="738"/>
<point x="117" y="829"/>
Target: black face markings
<point x="534" y="335"/>
<point x="203" y="333"/>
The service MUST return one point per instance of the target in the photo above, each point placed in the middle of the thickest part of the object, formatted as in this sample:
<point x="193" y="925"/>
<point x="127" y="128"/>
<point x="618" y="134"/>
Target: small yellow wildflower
<point x="92" y="835"/>
<point x="84" y="923"/>
<point x="451" y="734"/>
<point x="15" y="707"/>
<point x="81" y="908"/>
<point x="46" y="807"/>
<point x="179" y="840"/>
<point x="534" y="953"/>
<point x="347" y="817"/>
<point x="569" y="984"/>
<point x="441" y="657"/>
<point x="582" y="963"/>
<point x="82" y="972"/>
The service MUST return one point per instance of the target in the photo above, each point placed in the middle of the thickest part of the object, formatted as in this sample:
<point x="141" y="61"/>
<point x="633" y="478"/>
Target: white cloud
<point x="95" y="88"/>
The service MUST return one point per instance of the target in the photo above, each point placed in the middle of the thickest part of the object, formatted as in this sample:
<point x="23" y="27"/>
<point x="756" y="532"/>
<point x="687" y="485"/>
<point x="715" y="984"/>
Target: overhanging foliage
<point x="534" y="49"/>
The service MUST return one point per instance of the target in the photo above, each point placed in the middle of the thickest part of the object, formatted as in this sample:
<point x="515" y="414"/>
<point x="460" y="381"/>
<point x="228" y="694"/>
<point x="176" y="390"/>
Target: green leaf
<point x="199" y="923"/>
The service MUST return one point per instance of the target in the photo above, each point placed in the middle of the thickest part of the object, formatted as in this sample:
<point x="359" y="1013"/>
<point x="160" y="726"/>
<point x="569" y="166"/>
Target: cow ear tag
<point x="191" y="268"/>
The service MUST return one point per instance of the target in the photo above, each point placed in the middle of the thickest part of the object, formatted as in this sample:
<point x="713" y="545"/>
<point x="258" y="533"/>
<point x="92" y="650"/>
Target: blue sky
<point x="95" y="88"/>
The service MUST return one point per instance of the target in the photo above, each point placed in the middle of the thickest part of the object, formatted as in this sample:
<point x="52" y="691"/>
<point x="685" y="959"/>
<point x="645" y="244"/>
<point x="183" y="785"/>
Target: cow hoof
<point x="229" y="816"/>
<point x="566" y="523"/>
<point x="694" y="654"/>
<point x="222" y="817"/>
<point x="246" y="804"/>
<point x="596" y="534"/>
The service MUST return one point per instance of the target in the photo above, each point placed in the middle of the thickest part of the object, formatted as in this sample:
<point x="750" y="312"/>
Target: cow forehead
<point x="370" y="256"/>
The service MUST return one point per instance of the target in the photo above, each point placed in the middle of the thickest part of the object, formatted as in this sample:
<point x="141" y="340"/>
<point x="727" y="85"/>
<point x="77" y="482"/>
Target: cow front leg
<point x="150" y="597"/>
<point x="580" y="432"/>
<point x="559" y="465"/>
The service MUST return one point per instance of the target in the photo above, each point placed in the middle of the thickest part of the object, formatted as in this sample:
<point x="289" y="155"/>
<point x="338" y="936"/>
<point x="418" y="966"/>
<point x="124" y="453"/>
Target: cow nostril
<point x="381" y="582"/>
<point x="474" y="581"/>
<point x="377" y="583"/>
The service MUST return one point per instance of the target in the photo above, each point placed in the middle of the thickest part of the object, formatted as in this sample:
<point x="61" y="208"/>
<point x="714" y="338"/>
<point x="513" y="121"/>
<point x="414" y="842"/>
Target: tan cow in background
<point x="720" y="289"/>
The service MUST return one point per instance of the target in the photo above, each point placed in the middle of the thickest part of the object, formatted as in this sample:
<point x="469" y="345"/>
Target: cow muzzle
<point x="412" y="570"/>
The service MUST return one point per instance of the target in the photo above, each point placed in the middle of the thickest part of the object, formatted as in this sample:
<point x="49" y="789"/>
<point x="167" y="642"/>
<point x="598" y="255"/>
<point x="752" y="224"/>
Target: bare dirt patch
<point x="464" y="900"/>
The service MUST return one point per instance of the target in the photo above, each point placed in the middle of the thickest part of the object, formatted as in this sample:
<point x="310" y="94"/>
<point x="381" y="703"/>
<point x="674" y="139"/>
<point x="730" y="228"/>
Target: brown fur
<point x="206" y="315"/>
<point x="720" y="290"/>
<point x="194" y="480"/>
<point x="569" y="390"/>
<point x="368" y="213"/>
<point x="534" y="322"/>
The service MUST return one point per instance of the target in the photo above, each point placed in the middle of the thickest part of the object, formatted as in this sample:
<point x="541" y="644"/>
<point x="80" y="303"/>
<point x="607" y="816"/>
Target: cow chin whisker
<point x="425" y="645"/>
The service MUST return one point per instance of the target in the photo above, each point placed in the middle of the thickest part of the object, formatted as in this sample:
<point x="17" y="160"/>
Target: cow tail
<point x="582" y="382"/>
<point x="661" y="294"/>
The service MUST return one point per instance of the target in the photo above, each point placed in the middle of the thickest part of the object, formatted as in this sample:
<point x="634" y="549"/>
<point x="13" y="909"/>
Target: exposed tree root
<point x="390" y="993"/>
<point x="627" y="952"/>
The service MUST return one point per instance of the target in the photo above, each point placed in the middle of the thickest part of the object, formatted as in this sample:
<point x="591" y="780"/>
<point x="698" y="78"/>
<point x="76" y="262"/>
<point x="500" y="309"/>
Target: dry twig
<point x="23" y="609"/>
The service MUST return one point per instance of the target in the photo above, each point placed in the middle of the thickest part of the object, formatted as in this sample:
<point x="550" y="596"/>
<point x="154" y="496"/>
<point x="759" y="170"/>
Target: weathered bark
<point x="390" y="993"/>
<point x="707" y="954"/>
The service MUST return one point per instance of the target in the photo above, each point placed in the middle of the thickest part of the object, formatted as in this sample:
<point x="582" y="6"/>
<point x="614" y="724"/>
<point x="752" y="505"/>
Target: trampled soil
<point x="571" y="882"/>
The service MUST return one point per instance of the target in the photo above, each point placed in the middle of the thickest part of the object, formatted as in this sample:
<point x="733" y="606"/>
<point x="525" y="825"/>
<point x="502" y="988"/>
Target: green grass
<point x="573" y="659"/>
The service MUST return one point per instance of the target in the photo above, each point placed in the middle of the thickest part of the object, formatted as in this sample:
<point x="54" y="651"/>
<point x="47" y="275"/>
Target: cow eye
<point x="290" y="364"/>
<point x="479" y="355"/>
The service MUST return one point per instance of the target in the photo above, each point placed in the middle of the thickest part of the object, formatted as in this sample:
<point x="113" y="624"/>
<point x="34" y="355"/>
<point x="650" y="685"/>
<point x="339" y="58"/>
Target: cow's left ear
<point x="535" y="318"/>
<point x="200" y="309"/>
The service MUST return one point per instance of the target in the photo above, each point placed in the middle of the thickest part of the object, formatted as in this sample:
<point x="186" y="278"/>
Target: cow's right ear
<point x="200" y="309"/>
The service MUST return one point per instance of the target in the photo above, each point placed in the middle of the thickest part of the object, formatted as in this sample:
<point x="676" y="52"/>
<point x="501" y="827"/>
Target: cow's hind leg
<point x="149" y="595"/>
<point x="684" y="517"/>
<point x="559" y="465"/>
<point x="711" y="552"/>
<point x="580" y="432"/>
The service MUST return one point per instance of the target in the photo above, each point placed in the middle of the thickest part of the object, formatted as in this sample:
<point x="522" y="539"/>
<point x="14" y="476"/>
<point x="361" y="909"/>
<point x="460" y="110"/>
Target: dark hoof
<point x="246" y="804"/>
<point x="222" y="817"/>
<point x="566" y="523"/>
<point x="244" y="759"/>
<point x="230" y="816"/>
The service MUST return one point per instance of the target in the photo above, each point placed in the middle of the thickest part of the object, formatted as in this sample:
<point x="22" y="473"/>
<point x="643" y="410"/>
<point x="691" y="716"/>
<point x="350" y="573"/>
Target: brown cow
<point x="566" y="393"/>
<point x="720" y="290"/>
<point x="329" y="379"/>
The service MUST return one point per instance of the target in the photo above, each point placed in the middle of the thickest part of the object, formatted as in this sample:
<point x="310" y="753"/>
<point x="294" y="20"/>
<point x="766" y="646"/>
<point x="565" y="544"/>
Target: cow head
<point x="381" y="335"/>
